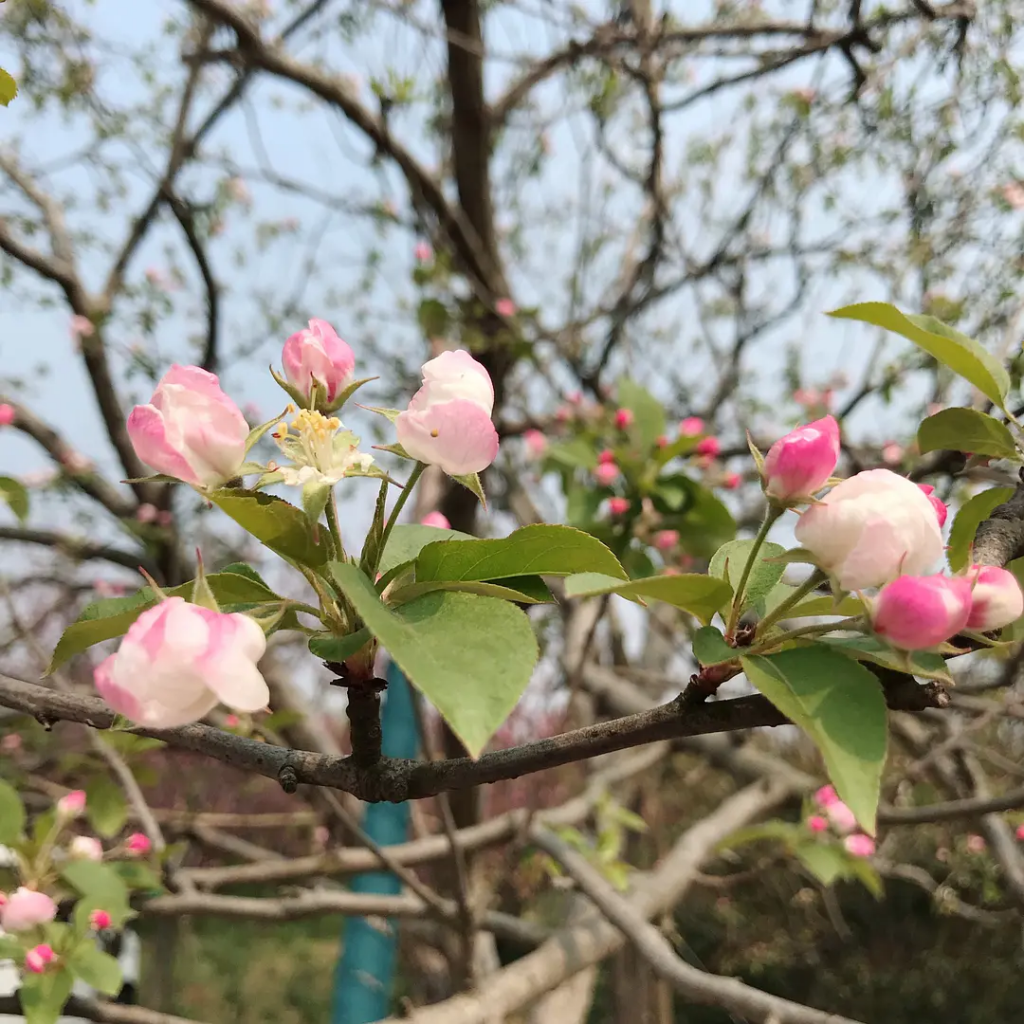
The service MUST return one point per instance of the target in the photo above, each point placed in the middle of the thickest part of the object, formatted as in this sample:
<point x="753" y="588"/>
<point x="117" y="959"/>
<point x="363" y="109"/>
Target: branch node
<point x="288" y="778"/>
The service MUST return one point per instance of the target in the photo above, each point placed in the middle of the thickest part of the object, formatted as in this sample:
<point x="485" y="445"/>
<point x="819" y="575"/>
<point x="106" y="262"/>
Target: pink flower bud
<point x="618" y="506"/>
<point x="423" y="252"/>
<point x="100" y="919"/>
<point x="996" y="598"/>
<point x="1020" y="832"/>
<point x="870" y="528"/>
<point x="37" y="958"/>
<point x="799" y="464"/>
<point x="190" y="429"/>
<point x="232" y="721"/>
<point x="177" y="660"/>
<point x="11" y="743"/>
<point x="318" y="354"/>
<point x="732" y="481"/>
<point x="842" y="818"/>
<point x="6" y="414"/>
<point x="448" y="422"/>
<point x="976" y="844"/>
<point x="164" y="517"/>
<point x="665" y="540"/>
<point x="816" y="823"/>
<point x="26" y="908"/>
<point x="624" y="418"/>
<point x="505" y="307"/>
<point x="941" y="511"/>
<point x="137" y="844"/>
<point x="826" y="796"/>
<point x="71" y="804"/>
<point x="574" y="397"/>
<point x="662" y="441"/>
<point x="859" y="845"/>
<point x="606" y="473"/>
<point x="146" y="513"/>
<point x="438" y="519"/>
<point x="85" y="848"/>
<point x="709" y="447"/>
<point x="692" y="426"/>
<point x="607" y="455"/>
<point x="536" y="443"/>
<point x="916" y="612"/>
<point x="81" y="327"/>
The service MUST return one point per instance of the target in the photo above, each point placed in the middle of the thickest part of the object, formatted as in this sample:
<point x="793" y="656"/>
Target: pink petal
<point x="458" y="436"/>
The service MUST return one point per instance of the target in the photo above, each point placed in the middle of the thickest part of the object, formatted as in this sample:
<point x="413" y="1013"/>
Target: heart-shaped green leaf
<point x="966" y="430"/>
<point x="695" y="593"/>
<point x="274" y="522"/>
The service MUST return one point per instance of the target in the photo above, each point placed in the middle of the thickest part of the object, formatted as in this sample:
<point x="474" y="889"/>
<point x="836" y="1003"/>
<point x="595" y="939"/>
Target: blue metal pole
<point x="365" y="974"/>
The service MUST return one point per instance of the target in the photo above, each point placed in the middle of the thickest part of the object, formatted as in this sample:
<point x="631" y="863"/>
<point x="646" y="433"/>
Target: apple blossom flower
<point x="238" y="190"/>
<point x="941" y="510"/>
<point x="976" y="844"/>
<point x="448" y="422"/>
<point x="505" y="307"/>
<point x="665" y="540"/>
<point x="232" y="721"/>
<point x="800" y="463"/>
<point x="316" y="353"/>
<point x="996" y="598"/>
<point x="138" y="844"/>
<point x="892" y="452"/>
<point x="870" y="528"/>
<point x="438" y="519"/>
<point x="100" y="919"/>
<point x="606" y="473"/>
<point x="859" y="845"/>
<point x="536" y="443"/>
<point x="661" y="440"/>
<point x="178" y="660"/>
<point x="26" y="908"/>
<point x="423" y="252"/>
<point x="71" y="804"/>
<point x="692" y="426"/>
<point x="38" y="957"/>
<point x="709" y="447"/>
<point x="606" y="455"/>
<point x="81" y="327"/>
<point x="917" y="612"/>
<point x="732" y="481"/>
<point x="826" y="796"/>
<point x="85" y="848"/>
<point x="321" y="450"/>
<point x="6" y="414"/>
<point x="816" y="823"/>
<point x="1013" y="193"/>
<point x="146" y="513"/>
<point x="624" y="418"/>
<point x="11" y="743"/>
<point x="618" y="506"/>
<point x="190" y="429"/>
<point x="1020" y="832"/>
<point x="842" y="818"/>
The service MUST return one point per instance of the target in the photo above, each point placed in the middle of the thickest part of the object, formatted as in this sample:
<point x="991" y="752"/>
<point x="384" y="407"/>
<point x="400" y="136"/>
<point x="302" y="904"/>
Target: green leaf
<point x="120" y="913"/>
<point x="470" y="656"/>
<point x="575" y="454"/>
<point x="710" y="648"/>
<point x="961" y="354"/>
<point x="12" y="815"/>
<point x="696" y="593"/>
<point x="728" y="562"/>
<point x="244" y="569"/>
<point x="531" y="550"/>
<point x="274" y="522"/>
<point x="343" y="396"/>
<point x="408" y="539"/>
<point x="96" y="881"/>
<point x="15" y="494"/>
<point x="103" y="620"/>
<point x="840" y="705"/>
<point x="926" y="664"/>
<point x="8" y="88"/>
<point x="768" y="830"/>
<point x="257" y="432"/>
<point x="966" y="430"/>
<point x="648" y="414"/>
<point x="471" y="481"/>
<point x="138" y="876"/>
<point x="97" y="969"/>
<point x="972" y="514"/>
<point x="537" y="593"/>
<point x="826" y="863"/>
<point x="105" y="806"/>
<point x="338" y="648"/>
<point x="43" y="995"/>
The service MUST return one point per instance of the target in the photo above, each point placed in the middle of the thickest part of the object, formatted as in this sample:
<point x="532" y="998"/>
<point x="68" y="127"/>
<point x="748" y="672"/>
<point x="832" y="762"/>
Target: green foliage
<point x="521" y="589"/>
<point x="470" y="656"/>
<point x="8" y="88"/>
<point x="96" y="881"/>
<point x="97" y="969"/>
<point x="972" y="513"/>
<point x="15" y="494"/>
<point x="12" y="815"/>
<point x="105" y="806"/>
<point x="648" y="415"/>
<point x="966" y="430"/>
<point x="407" y="540"/>
<point x="43" y="996"/>
<point x="695" y="593"/>
<point x="961" y="354"/>
<point x="274" y="522"/>
<point x="710" y="648"/>
<point x="730" y="559"/>
<point x="925" y="664"/>
<point x="338" y="648"/>
<point x="840" y="705"/>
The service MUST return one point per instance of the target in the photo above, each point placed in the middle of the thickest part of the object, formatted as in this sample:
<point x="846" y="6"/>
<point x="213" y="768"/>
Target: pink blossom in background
<point x="826" y="796"/>
<point x="806" y="94"/>
<point x="574" y="398"/>
<point x="892" y="453"/>
<point x="100" y="919"/>
<point x="448" y="421"/>
<point x="39" y="478"/>
<point x="842" y="818"/>
<point x="71" y="804"/>
<point x="179" y="660"/>
<point x="996" y="598"/>
<point x="190" y="429"/>
<point x="801" y="463"/>
<point x="618" y="506"/>
<point x="859" y="845"/>
<point x="708" y="447"/>
<point x="665" y="540"/>
<point x="816" y="823"/>
<point x="85" y="848"/>
<point x="252" y="412"/>
<point x="976" y="844"/>
<point x="232" y="721"/>
<point x="692" y="426"/>
<point x="670" y="570"/>
<point x="1020" y="832"/>
<point x="662" y="441"/>
<point x="6" y="414"/>
<point x="624" y="418"/>
<point x="536" y="443"/>
<point x="76" y="462"/>
<point x="138" y="844"/>
<point x="732" y="481"/>
<point x="423" y="252"/>
<point x="438" y="519"/>
<point x="505" y="307"/>
<point x="81" y="327"/>
<point x="146" y="513"/>
<point x="917" y="612"/>
<point x="316" y="353"/>
<point x="158" y="279"/>
<point x="11" y="743"/>
<point x="165" y="517"/>
<point x="807" y="397"/>
<point x="37" y="958"/>
<point x="941" y="509"/>
<point x="1013" y="193"/>
<point x="606" y="455"/>
<point x="606" y="473"/>
<point x="239" y="191"/>
<point x="25" y="908"/>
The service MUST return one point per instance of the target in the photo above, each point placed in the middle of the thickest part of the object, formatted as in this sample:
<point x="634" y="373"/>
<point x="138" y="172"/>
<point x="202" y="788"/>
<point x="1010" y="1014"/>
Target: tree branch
<point x="82" y="550"/>
<point x="100" y="1010"/>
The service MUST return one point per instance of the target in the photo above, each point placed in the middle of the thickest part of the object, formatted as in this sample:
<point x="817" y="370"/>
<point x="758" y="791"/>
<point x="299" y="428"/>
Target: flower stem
<point x="397" y="510"/>
<point x="779" y="612"/>
<point x="335" y="526"/>
<point x="816" y="628"/>
<point x="771" y="514"/>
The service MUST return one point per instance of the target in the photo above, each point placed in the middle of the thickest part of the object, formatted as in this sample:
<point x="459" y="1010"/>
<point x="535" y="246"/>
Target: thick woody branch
<point x="397" y="780"/>
<point x="101" y="1011"/>
<point x="1000" y="538"/>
